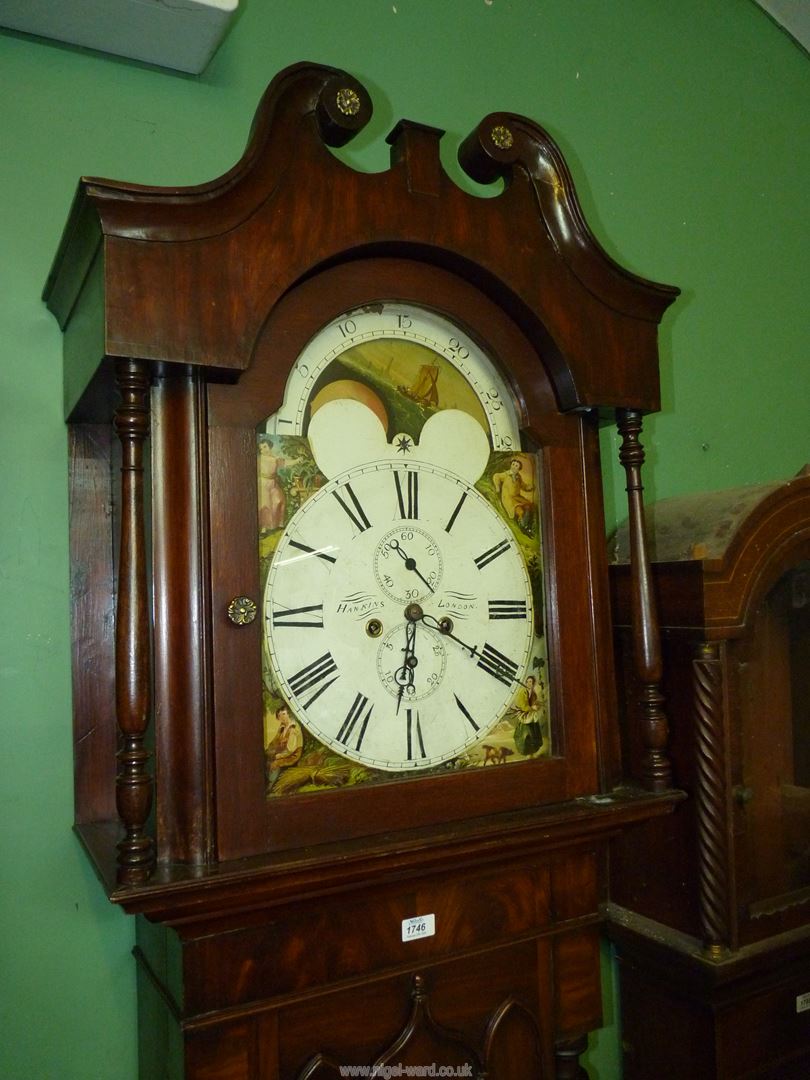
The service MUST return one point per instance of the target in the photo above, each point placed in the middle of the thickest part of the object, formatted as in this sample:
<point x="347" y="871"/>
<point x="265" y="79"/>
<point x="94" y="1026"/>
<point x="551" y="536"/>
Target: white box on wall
<point x="179" y="34"/>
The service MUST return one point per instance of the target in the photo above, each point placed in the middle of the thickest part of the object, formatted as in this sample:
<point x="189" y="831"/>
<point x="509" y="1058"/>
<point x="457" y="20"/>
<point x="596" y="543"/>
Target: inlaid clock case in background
<point x="710" y="910"/>
<point x="286" y="749"/>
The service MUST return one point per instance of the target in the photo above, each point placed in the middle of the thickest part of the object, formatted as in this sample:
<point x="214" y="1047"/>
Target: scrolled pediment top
<point x="505" y="141"/>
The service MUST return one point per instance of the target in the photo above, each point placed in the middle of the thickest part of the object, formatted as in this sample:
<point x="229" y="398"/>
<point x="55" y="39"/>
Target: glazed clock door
<point x="770" y="679"/>
<point x="389" y="496"/>
<point x="406" y="588"/>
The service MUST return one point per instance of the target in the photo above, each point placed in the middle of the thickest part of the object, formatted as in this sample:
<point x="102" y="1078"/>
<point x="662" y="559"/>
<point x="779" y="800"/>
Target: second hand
<point x="410" y="564"/>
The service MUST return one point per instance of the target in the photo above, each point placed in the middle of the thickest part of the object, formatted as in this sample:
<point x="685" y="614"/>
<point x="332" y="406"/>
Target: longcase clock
<point x="711" y="909"/>
<point x="343" y="682"/>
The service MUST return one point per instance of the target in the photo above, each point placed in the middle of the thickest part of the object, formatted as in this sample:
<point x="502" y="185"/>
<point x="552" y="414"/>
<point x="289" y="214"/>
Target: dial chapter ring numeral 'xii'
<point x="407" y="495"/>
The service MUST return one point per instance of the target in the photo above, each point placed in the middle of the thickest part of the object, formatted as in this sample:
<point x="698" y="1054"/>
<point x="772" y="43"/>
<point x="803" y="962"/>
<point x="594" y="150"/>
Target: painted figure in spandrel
<point x="516" y="492"/>
<point x="272" y="502"/>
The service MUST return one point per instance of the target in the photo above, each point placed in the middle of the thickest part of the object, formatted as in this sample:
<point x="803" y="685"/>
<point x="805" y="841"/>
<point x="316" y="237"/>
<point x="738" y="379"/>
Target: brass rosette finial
<point x="242" y="611"/>
<point x="343" y="108"/>
<point x="502" y="137"/>
<point x="348" y="101"/>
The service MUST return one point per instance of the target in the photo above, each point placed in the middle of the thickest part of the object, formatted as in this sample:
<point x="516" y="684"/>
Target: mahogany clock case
<point x="268" y="927"/>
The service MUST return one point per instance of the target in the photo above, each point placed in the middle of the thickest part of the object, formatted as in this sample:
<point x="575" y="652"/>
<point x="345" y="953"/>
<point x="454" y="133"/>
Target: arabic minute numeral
<point x="494" y="400"/>
<point x="455" y="347"/>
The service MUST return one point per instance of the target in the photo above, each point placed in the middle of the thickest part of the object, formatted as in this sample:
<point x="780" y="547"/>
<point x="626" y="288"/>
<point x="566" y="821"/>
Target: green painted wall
<point x="686" y="128"/>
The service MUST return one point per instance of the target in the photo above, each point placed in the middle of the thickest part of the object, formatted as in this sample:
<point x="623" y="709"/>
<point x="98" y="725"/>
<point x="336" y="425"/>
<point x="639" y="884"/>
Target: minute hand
<point x="435" y="624"/>
<point x="490" y="660"/>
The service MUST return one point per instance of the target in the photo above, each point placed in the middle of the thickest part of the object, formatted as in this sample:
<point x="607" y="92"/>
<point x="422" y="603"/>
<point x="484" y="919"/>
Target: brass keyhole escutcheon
<point x="242" y="611"/>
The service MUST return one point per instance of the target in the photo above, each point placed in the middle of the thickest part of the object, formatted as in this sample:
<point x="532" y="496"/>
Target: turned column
<point x="656" y="768"/>
<point x="133" y="783"/>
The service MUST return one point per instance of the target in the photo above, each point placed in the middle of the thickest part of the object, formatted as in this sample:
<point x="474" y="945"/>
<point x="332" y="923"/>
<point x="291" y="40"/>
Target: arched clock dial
<point x="398" y="630"/>
<point x="433" y="363"/>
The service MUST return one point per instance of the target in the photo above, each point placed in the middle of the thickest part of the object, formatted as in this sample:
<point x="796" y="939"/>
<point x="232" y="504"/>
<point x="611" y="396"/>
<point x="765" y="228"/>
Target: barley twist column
<point x="711" y="800"/>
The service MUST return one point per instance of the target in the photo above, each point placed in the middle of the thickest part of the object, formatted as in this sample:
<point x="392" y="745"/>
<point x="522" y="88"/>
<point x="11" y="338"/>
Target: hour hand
<point x="404" y="675"/>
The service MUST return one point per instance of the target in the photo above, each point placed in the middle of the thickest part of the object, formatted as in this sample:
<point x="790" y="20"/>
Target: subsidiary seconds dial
<point x="398" y="629"/>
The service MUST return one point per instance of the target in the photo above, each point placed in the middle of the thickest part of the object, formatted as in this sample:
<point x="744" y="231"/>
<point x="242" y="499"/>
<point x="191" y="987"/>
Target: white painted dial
<point x="398" y="615"/>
